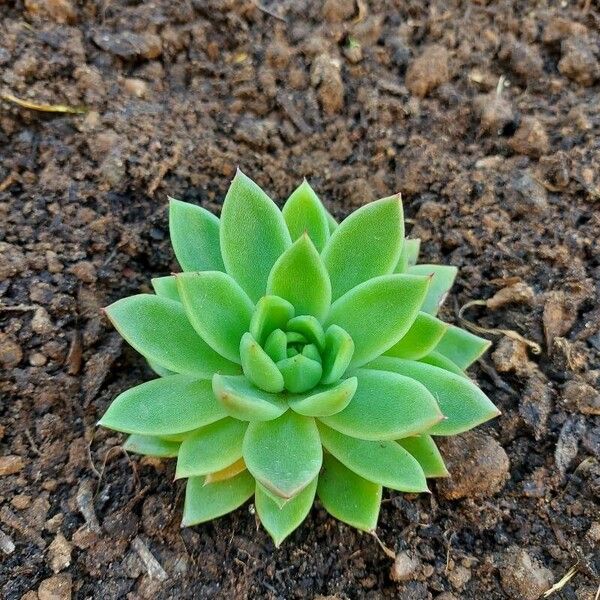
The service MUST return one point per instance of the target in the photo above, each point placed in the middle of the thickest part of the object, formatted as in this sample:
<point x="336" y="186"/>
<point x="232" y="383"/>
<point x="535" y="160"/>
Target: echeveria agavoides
<point x="297" y="358"/>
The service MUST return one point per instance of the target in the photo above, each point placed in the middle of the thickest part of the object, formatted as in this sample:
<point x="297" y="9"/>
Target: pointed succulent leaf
<point x="462" y="347"/>
<point x="276" y="345"/>
<point x="463" y="404"/>
<point x="253" y="235"/>
<point x="241" y="400"/>
<point x="279" y="501"/>
<point x="324" y="401"/>
<point x="211" y="448"/>
<point x="271" y="313"/>
<point x="164" y="406"/>
<point x="347" y="496"/>
<point x="304" y="213"/>
<point x="218" y="309"/>
<point x="258" y="366"/>
<point x="159" y="329"/>
<point x="439" y="360"/>
<point x="386" y="406"/>
<point x="378" y="312"/>
<point x="337" y="354"/>
<point x="151" y="445"/>
<point x="409" y="255"/>
<point x="280" y="521"/>
<point x="365" y="245"/>
<point x="166" y="287"/>
<point x="227" y="473"/>
<point x="285" y="454"/>
<point x="420" y="339"/>
<point x="423" y="448"/>
<point x="300" y="373"/>
<point x="194" y="235"/>
<point x="442" y="278"/>
<point x="206" y="501"/>
<point x="331" y="223"/>
<point x="309" y="327"/>
<point x="383" y="462"/>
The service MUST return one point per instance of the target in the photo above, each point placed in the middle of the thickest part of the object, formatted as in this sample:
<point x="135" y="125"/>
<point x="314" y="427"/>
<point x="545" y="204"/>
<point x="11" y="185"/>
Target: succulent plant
<point x="297" y="357"/>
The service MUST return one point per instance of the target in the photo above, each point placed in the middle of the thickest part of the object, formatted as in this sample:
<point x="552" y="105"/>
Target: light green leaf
<point x="420" y="339"/>
<point x="276" y="345"/>
<point x="164" y="406"/>
<point x="300" y="373"/>
<point x="207" y="502"/>
<point x="331" y="223"/>
<point x="463" y="404"/>
<point x="423" y="448"/>
<point x="159" y="329"/>
<point x="258" y="366"/>
<point x="241" y="400"/>
<point x="309" y="327"/>
<point x="462" y="347"/>
<point x="253" y="235"/>
<point x="324" y="401"/>
<point x="195" y="237"/>
<point x="151" y="446"/>
<point x="271" y="313"/>
<point x="218" y="309"/>
<point x="280" y="521"/>
<point x="365" y="245"/>
<point x="383" y="462"/>
<point x="299" y="276"/>
<point x="378" y="312"/>
<point x="284" y="455"/>
<point x="409" y="255"/>
<point x="304" y="213"/>
<point x="386" y="406"/>
<point x="439" y="360"/>
<point x="442" y="278"/>
<point x="347" y="496"/>
<point x="312" y="352"/>
<point x="166" y="287"/>
<point x="211" y="448"/>
<point x="337" y="354"/>
<point x="160" y="370"/>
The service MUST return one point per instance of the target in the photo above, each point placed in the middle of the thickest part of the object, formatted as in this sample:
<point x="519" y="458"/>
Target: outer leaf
<point x="339" y="348"/>
<point x="441" y="282"/>
<point x="462" y="347"/>
<point x="166" y="287"/>
<point x="378" y="312"/>
<point x="218" y="309"/>
<point x="284" y="455"/>
<point x="300" y="373"/>
<point x="326" y="400"/>
<point x="347" y="496"/>
<point x="420" y="339"/>
<point x="227" y="473"/>
<point x="195" y="237"/>
<point x="161" y="371"/>
<point x="365" y="245"/>
<point x="204" y="502"/>
<point x="439" y="360"/>
<point x="241" y="400"/>
<point x="304" y="213"/>
<point x="253" y="235"/>
<point x="299" y="276"/>
<point x="164" y="406"/>
<point x="464" y="405"/>
<point x="211" y="448"/>
<point x="258" y="366"/>
<point x="271" y="313"/>
<point x="159" y="329"/>
<point x="423" y="448"/>
<point x="331" y="223"/>
<point x="151" y="446"/>
<point x="384" y="462"/>
<point x="386" y="406"/>
<point x="409" y="255"/>
<point x="281" y="521"/>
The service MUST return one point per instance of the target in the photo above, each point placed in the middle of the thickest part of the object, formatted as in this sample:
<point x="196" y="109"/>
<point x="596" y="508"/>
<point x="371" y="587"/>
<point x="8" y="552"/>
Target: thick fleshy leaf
<point x="383" y="462"/>
<point x="331" y="223"/>
<point x="422" y="337"/>
<point x="166" y="287"/>
<point x="284" y="455"/>
<point x="309" y="327"/>
<point x="304" y="213"/>
<point x="462" y="347"/>
<point x="207" y="501"/>
<point x="442" y="278"/>
<point x="276" y="345"/>
<point x="159" y="370"/>
<point x="271" y="313"/>
<point x="194" y="235"/>
<point x="386" y="406"/>
<point x="158" y="328"/>
<point x="164" y="406"/>
<point x="218" y="309"/>
<point x="150" y="445"/>
<point x="211" y="448"/>
<point x="299" y="276"/>
<point x="253" y="235"/>
<point x="324" y="401"/>
<point x="258" y="366"/>
<point x="241" y="400"/>
<point x="227" y="473"/>
<point x="409" y="255"/>
<point x="347" y="496"/>
<point x="337" y="354"/>
<point x="280" y="521"/>
<point x="439" y="360"/>
<point x="365" y="245"/>
<point x="463" y="404"/>
<point x="378" y="312"/>
<point x="423" y="448"/>
<point x="300" y="373"/>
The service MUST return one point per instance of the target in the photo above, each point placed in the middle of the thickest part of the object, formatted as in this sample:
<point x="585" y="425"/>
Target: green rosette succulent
<point x="297" y="358"/>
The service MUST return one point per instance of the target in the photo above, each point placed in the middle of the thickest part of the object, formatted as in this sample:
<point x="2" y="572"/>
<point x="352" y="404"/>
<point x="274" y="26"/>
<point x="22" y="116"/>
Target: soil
<point x="485" y="115"/>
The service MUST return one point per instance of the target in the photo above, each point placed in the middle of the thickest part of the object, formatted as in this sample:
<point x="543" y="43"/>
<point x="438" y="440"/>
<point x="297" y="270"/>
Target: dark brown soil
<point x="485" y="115"/>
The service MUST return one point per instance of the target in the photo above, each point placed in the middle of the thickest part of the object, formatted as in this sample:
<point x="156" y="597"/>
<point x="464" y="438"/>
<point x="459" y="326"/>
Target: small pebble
<point x="59" y="11"/>
<point x="578" y="62"/>
<point x="57" y="587"/>
<point x="428" y="71"/>
<point x="530" y="138"/>
<point x="11" y="464"/>
<point x="326" y="75"/>
<point x="135" y="87"/>
<point x="21" y="501"/>
<point x="37" y="359"/>
<point x="582" y="397"/>
<point x="405" y="567"/>
<point x="523" y="577"/>
<point x="84" y="271"/>
<point x="10" y="352"/>
<point x="59" y="553"/>
<point x="459" y="577"/>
